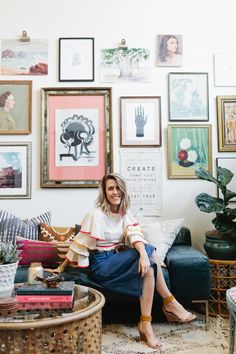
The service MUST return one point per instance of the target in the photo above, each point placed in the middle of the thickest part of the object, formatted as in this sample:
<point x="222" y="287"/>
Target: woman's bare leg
<point x="174" y="306"/>
<point x="146" y="301"/>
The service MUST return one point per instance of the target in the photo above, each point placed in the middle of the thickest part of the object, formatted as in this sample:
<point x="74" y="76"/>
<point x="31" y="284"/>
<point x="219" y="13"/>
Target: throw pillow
<point x="55" y="233"/>
<point x="37" y="251"/>
<point x="162" y="234"/>
<point x="12" y="226"/>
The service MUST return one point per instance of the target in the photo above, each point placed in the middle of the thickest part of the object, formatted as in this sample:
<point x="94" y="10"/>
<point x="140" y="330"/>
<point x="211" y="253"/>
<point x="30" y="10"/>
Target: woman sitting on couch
<point x="112" y="244"/>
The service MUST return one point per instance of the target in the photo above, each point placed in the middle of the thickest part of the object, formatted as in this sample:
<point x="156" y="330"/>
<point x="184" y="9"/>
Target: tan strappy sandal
<point x="143" y="336"/>
<point x="172" y="317"/>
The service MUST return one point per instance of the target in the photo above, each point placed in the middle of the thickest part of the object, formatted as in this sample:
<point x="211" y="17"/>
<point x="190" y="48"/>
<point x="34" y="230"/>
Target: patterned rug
<point x="189" y="338"/>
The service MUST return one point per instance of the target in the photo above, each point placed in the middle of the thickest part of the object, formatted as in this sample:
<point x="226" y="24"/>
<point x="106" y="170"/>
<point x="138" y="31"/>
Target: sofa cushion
<point x="55" y="233"/>
<point x="162" y="234"/>
<point x="37" y="251"/>
<point x="12" y="226"/>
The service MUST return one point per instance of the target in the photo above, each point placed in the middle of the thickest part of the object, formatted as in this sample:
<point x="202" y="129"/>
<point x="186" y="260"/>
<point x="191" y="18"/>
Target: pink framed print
<point x="76" y="147"/>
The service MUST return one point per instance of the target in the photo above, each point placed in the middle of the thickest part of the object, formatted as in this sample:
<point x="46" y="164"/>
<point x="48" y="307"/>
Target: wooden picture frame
<point x="76" y="137"/>
<point x="15" y="170"/>
<point x="15" y="107"/>
<point x="226" y="120"/>
<point x="189" y="147"/>
<point x="140" y="121"/>
<point x="230" y="164"/>
<point x="188" y="97"/>
<point x="76" y="59"/>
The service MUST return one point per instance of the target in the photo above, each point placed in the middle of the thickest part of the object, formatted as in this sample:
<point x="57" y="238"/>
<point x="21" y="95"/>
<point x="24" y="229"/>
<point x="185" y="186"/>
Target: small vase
<point x="7" y="277"/>
<point x="218" y="246"/>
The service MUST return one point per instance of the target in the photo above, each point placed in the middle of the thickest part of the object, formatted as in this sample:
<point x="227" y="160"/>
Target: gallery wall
<point x="207" y="29"/>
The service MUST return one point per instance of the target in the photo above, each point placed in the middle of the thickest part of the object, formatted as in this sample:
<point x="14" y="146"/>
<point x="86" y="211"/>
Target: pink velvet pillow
<point x="37" y="251"/>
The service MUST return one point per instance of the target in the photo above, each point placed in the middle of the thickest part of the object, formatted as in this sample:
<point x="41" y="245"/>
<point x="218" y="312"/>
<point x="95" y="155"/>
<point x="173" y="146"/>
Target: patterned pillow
<point x="12" y="226"/>
<point x="55" y="233"/>
<point x="37" y="251"/>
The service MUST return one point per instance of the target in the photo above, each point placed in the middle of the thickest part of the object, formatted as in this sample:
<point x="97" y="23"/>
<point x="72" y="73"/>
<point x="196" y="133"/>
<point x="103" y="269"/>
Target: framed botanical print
<point x="188" y="97"/>
<point x="189" y="148"/>
<point x="140" y="121"/>
<point x="15" y="107"/>
<point x="15" y="170"/>
<point x="76" y="139"/>
<point x="226" y="119"/>
<point x="230" y="164"/>
<point x="76" y="59"/>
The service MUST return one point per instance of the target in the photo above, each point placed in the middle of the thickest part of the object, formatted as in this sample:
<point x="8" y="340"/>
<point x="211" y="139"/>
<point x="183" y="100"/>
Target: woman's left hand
<point x="144" y="264"/>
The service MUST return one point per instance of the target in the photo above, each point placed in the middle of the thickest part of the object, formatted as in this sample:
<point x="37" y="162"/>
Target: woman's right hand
<point x="56" y="270"/>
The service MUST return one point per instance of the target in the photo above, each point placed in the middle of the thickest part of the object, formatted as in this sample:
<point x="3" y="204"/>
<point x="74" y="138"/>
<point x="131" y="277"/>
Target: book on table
<point x="44" y="298"/>
<point x="63" y="288"/>
<point x="44" y="305"/>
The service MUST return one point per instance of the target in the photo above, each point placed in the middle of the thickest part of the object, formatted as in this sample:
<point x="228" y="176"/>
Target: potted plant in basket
<point x="9" y="258"/>
<point x="220" y="243"/>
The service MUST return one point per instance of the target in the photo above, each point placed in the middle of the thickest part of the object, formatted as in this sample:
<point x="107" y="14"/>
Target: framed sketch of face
<point x="169" y="50"/>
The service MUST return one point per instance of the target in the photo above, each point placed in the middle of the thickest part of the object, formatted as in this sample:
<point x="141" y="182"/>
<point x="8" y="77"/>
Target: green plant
<point x="224" y="221"/>
<point x="9" y="253"/>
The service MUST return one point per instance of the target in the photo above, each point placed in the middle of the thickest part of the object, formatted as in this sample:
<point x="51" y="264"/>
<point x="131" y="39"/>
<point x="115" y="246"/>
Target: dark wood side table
<point x="222" y="277"/>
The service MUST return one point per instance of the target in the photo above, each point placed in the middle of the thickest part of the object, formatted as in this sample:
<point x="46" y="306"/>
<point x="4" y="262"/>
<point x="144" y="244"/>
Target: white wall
<point x="207" y="28"/>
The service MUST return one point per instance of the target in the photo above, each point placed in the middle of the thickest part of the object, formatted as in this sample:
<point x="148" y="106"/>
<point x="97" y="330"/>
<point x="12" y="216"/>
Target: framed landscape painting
<point x="15" y="170"/>
<point x="76" y="139"/>
<point x="188" y="97"/>
<point x="140" y="121"/>
<point x="226" y="119"/>
<point x="15" y="107"/>
<point x="189" y="147"/>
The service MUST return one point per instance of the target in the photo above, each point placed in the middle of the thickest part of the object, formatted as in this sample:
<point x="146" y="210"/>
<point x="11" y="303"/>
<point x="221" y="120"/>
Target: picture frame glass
<point x="189" y="148"/>
<point x="140" y="121"/>
<point x="76" y="144"/>
<point x="76" y="59"/>
<point x="188" y="97"/>
<point x="226" y="120"/>
<point x="15" y="176"/>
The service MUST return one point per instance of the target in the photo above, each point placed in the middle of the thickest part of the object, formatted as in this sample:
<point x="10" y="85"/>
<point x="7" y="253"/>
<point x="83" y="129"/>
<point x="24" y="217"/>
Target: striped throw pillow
<point x="12" y="226"/>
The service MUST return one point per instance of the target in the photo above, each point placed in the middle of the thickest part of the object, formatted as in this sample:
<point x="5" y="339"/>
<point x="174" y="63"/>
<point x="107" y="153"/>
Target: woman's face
<point x="172" y="45"/>
<point x="10" y="102"/>
<point x="113" y="194"/>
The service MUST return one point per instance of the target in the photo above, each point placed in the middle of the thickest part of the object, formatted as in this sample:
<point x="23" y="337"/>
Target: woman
<point x="111" y="242"/>
<point x="169" y="54"/>
<point x="7" y="101"/>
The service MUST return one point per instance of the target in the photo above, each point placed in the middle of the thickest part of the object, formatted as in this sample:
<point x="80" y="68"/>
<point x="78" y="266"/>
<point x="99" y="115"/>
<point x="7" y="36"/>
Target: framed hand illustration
<point x="226" y="118"/>
<point x="140" y="121"/>
<point x="76" y="139"/>
<point x="15" y="170"/>
<point x="189" y="147"/>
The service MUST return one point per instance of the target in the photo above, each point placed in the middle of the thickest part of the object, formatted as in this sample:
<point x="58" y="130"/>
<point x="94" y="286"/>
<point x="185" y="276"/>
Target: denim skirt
<point x="118" y="272"/>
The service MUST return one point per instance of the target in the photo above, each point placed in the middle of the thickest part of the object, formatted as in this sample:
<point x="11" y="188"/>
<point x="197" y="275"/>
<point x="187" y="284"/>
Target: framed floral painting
<point x="189" y="147"/>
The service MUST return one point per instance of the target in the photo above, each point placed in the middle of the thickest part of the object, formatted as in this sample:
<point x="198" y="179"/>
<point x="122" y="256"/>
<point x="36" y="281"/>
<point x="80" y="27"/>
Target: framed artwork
<point x="230" y="164"/>
<point x="169" y="50"/>
<point x="188" y="97"/>
<point x="125" y="64"/>
<point x="226" y="119"/>
<point x="15" y="170"/>
<point x="76" y="138"/>
<point x="21" y="57"/>
<point x="225" y="69"/>
<point x="15" y="107"/>
<point x="140" y="121"/>
<point x="76" y="59"/>
<point x="189" y="147"/>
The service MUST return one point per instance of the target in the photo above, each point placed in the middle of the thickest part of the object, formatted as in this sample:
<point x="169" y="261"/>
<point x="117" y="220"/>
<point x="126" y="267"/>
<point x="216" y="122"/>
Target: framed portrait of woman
<point x="15" y="107"/>
<point x="169" y="50"/>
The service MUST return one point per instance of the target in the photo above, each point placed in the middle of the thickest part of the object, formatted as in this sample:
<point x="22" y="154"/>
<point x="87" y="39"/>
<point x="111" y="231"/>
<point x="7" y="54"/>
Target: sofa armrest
<point x="189" y="273"/>
<point x="183" y="237"/>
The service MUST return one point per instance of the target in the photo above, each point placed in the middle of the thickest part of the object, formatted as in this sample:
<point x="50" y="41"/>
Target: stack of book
<point x="39" y="296"/>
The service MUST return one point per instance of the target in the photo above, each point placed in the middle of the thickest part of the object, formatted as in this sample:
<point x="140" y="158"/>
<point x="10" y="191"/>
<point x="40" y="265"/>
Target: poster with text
<point x="141" y="169"/>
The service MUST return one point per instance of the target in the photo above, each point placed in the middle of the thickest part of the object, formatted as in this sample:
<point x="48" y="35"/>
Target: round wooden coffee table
<point x="78" y="331"/>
